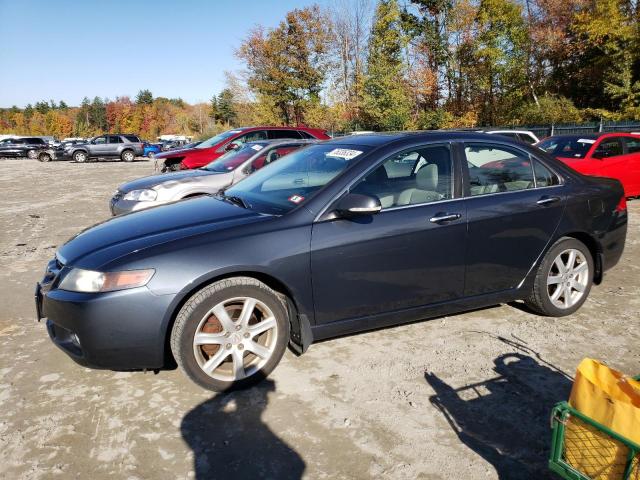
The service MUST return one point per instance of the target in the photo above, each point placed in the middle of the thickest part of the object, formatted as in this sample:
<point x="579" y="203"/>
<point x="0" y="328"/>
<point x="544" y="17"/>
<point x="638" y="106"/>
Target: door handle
<point x="445" y="217"/>
<point x="548" y="200"/>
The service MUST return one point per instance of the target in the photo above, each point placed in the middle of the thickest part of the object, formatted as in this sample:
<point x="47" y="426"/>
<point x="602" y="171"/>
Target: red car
<point x="614" y="155"/>
<point x="209" y="150"/>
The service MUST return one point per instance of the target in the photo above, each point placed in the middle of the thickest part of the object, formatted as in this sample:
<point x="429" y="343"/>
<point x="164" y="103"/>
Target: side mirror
<point x="356" y="205"/>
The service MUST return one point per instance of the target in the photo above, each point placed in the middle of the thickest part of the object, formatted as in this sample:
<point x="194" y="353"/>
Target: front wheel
<point x="231" y="334"/>
<point x="44" y="157"/>
<point x="151" y="154"/>
<point x="32" y="154"/>
<point x="127" y="156"/>
<point x="563" y="280"/>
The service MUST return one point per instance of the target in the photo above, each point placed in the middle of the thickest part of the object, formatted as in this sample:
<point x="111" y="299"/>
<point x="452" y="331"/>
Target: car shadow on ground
<point x="505" y="419"/>
<point x="229" y="439"/>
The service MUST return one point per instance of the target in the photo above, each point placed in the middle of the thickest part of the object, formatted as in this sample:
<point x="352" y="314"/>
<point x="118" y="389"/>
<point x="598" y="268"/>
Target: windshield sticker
<point x="345" y="153"/>
<point x="296" y="198"/>
<point x="586" y="140"/>
<point x="257" y="148"/>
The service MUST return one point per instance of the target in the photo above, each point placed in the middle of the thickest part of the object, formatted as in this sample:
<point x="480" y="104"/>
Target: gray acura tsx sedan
<point x="227" y="170"/>
<point x="350" y="234"/>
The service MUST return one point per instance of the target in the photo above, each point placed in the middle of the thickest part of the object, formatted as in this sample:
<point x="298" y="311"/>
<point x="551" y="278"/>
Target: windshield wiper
<point x="234" y="200"/>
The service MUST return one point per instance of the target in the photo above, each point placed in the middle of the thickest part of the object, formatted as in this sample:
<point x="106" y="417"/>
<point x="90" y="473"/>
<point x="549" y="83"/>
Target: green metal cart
<point x="603" y="454"/>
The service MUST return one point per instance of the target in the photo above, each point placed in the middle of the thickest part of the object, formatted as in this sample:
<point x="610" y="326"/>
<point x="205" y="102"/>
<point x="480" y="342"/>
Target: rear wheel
<point x="127" y="156"/>
<point x="563" y="280"/>
<point x="230" y="334"/>
<point x="80" y="156"/>
<point x="151" y="154"/>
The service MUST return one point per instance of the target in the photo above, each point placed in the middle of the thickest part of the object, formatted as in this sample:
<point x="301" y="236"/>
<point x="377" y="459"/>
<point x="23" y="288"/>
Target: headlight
<point x="146" y="195"/>
<point x="88" y="281"/>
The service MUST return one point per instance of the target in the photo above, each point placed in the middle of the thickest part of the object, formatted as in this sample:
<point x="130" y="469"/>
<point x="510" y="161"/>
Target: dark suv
<point x="22" y="147"/>
<point x="124" y="146"/>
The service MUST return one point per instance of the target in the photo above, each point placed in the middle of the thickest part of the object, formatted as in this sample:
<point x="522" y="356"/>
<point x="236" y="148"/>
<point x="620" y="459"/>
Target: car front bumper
<point x="121" y="330"/>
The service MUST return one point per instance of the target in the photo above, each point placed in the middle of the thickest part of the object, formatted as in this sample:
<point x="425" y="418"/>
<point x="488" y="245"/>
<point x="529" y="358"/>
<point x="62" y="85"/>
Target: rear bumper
<point x="121" y="330"/>
<point x="613" y="241"/>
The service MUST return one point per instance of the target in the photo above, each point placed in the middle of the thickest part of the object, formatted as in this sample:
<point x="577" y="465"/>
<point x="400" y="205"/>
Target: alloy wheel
<point x="235" y="339"/>
<point x="568" y="278"/>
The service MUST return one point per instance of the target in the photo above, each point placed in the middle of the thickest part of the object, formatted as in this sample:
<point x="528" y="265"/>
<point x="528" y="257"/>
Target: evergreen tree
<point x="225" y="106"/>
<point x="98" y="115"/>
<point x="386" y="100"/>
<point x="144" y="97"/>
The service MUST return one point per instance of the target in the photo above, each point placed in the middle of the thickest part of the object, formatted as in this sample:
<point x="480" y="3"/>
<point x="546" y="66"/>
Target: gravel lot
<point x="464" y="396"/>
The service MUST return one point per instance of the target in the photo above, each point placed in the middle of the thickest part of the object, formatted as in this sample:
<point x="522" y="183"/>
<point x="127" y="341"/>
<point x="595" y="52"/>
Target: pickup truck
<point x="124" y="146"/>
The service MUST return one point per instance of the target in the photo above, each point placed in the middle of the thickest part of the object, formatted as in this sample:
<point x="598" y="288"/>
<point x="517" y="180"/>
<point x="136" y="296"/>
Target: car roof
<point x="378" y="139"/>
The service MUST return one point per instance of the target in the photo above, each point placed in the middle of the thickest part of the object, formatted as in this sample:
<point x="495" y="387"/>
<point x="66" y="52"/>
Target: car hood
<point x="105" y="242"/>
<point x="176" y="152"/>
<point x="166" y="179"/>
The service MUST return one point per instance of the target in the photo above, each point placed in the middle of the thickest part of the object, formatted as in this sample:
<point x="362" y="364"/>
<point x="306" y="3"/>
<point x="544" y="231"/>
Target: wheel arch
<point x="300" y="337"/>
<point x="594" y="248"/>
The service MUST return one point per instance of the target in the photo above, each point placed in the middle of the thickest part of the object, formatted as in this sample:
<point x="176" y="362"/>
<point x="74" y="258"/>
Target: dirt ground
<point x="465" y="396"/>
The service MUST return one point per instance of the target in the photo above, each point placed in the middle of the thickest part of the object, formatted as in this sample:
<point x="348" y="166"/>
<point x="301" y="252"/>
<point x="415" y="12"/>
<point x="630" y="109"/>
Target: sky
<point x="66" y="50"/>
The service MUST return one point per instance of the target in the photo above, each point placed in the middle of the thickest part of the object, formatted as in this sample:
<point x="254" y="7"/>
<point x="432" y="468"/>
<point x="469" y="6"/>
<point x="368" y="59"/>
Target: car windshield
<point x="218" y="138"/>
<point x="569" y="147"/>
<point x="233" y="158"/>
<point x="293" y="180"/>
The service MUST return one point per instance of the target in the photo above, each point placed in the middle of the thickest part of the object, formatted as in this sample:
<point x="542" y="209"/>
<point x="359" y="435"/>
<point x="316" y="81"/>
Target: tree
<point x="386" y="100"/>
<point x="287" y="65"/>
<point x="42" y="107"/>
<point x="213" y="108"/>
<point x="144" y="97"/>
<point x="98" y="115"/>
<point x="62" y="105"/>
<point x="225" y="106"/>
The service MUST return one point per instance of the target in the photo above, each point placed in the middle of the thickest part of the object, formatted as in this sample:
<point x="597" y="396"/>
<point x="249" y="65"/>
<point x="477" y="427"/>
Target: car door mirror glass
<point x="356" y="204"/>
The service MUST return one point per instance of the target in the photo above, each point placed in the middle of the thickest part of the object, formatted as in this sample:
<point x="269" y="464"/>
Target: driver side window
<point x="100" y="140"/>
<point x="416" y="176"/>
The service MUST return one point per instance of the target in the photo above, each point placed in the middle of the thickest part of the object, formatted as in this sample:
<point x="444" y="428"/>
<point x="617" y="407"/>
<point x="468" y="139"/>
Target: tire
<point x="237" y="341"/>
<point x="32" y="154"/>
<point x="173" y="167"/>
<point x="44" y="157"/>
<point x="127" y="156"/>
<point x="151" y="154"/>
<point x="80" y="156"/>
<point x="557" y="292"/>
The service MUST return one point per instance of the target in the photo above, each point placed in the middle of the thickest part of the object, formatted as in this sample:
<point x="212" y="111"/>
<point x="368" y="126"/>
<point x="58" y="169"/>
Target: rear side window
<point x="609" y="147"/>
<point x="633" y="144"/>
<point x="132" y="138"/>
<point x="544" y="176"/>
<point x="35" y="141"/>
<point x="18" y="141"/>
<point x="306" y="135"/>
<point x="115" y="139"/>
<point x="495" y="169"/>
<point x="277" y="134"/>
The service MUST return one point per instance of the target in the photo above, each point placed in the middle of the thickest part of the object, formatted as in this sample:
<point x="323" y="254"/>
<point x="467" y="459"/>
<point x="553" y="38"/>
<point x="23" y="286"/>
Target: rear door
<point x="514" y="205"/>
<point x="114" y="143"/>
<point x="632" y="154"/>
<point x="406" y="256"/>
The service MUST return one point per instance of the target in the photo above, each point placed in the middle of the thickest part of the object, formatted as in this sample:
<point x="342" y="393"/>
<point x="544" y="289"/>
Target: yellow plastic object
<point x="611" y="399"/>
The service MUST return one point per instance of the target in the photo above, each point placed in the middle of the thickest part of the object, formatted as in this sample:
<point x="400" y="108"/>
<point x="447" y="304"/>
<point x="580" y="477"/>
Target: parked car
<point x="615" y="155"/>
<point x="213" y="148"/>
<point x="351" y="234"/>
<point x="150" y="150"/>
<point x="22" y="147"/>
<point x="227" y="170"/>
<point x="61" y="150"/>
<point x="126" y="147"/>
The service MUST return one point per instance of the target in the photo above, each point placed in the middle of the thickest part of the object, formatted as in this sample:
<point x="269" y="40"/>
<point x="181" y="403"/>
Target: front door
<point x="514" y="206"/>
<point x="408" y="255"/>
